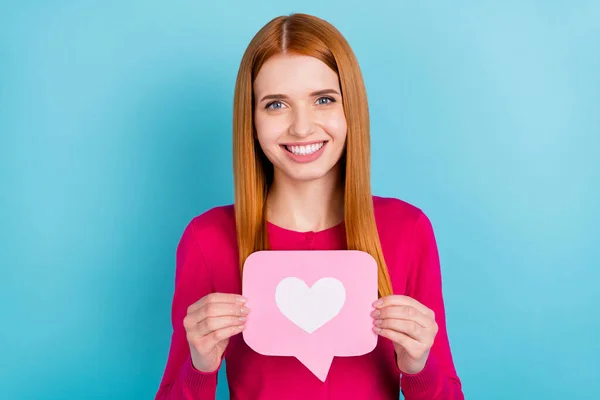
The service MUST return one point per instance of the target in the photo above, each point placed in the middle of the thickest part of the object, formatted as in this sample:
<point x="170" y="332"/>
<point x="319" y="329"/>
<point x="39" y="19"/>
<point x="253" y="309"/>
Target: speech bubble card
<point x="310" y="304"/>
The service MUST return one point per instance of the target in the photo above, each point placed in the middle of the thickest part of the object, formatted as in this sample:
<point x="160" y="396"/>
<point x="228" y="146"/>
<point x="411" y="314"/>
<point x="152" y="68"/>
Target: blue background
<point x="115" y="130"/>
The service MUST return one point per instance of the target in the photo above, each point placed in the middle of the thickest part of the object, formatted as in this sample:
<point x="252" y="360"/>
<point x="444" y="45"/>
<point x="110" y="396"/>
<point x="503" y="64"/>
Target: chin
<point x="303" y="174"/>
<point x="306" y="177"/>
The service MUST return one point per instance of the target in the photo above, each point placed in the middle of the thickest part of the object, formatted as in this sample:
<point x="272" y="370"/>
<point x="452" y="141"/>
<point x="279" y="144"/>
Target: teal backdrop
<point x="115" y="130"/>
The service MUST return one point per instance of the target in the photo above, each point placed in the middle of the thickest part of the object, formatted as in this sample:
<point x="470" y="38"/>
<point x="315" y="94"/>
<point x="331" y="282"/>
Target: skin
<point x="410" y="326"/>
<point x="303" y="196"/>
<point x="298" y="100"/>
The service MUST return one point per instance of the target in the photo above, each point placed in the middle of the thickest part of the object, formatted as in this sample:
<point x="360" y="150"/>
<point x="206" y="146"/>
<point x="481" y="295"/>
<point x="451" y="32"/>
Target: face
<point x="299" y="117"/>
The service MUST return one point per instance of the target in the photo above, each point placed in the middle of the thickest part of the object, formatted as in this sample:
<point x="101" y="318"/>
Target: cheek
<point x="336" y="125"/>
<point x="268" y="130"/>
<point x="267" y="136"/>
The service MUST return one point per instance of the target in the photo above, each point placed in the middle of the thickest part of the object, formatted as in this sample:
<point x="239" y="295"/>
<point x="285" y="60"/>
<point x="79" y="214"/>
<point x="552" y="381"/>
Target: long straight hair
<point x="307" y="35"/>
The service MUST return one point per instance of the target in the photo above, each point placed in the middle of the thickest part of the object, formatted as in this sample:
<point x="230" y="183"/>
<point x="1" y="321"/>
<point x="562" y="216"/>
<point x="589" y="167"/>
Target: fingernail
<point x="244" y="310"/>
<point x="376" y="313"/>
<point x="378" y="322"/>
<point x="378" y="303"/>
<point x="377" y="329"/>
<point x="241" y="299"/>
<point x="242" y="319"/>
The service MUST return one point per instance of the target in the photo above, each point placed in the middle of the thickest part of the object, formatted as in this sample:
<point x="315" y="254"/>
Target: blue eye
<point x="274" y="105"/>
<point x="328" y="100"/>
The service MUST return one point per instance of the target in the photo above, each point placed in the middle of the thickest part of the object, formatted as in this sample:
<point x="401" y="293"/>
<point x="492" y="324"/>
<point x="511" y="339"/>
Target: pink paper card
<point x="313" y="305"/>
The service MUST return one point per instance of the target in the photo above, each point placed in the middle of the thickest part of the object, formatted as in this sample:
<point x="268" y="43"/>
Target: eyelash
<point x="331" y="100"/>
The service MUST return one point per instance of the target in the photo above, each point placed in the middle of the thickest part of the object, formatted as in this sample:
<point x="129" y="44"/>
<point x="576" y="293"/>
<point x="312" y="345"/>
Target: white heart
<point x="310" y="308"/>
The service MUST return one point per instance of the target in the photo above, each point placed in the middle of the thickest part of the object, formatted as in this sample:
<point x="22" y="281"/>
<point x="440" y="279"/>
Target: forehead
<point x="294" y="74"/>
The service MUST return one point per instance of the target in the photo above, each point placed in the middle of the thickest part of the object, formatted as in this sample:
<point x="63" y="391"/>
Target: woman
<point x="301" y="166"/>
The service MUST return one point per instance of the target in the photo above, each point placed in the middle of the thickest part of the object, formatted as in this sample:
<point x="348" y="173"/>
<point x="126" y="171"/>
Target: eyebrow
<point x="283" y="96"/>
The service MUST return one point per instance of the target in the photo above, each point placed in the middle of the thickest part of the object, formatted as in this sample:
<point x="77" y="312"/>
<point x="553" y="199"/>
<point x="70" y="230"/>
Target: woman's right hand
<point x="209" y="324"/>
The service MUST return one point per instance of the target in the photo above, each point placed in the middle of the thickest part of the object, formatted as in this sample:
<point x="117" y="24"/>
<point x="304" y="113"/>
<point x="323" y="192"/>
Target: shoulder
<point x="213" y="229"/>
<point x="397" y="213"/>
<point x="214" y="221"/>
<point x="401" y="222"/>
<point x="211" y="236"/>
<point x="407" y="240"/>
<point x="205" y="256"/>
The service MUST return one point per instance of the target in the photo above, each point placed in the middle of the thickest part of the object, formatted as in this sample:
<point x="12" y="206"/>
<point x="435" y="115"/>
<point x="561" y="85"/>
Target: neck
<point x="306" y="205"/>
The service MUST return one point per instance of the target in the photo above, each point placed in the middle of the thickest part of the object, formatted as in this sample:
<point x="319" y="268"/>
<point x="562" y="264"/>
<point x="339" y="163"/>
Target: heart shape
<point x="310" y="308"/>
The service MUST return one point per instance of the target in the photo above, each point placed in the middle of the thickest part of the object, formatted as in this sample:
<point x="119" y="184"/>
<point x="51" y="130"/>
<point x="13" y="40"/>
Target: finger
<point x="212" y="310"/>
<point x="403" y="312"/>
<point x="221" y="334"/>
<point x="217" y="298"/>
<point x="409" y="328"/>
<point x="221" y="310"/>
<point x="412" y="347"/>
<point x="210" y="325"/>
<point x="400" y="300"/>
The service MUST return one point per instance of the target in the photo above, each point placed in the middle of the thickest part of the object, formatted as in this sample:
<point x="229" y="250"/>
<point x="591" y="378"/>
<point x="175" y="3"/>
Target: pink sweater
<point x="207" y="261"/>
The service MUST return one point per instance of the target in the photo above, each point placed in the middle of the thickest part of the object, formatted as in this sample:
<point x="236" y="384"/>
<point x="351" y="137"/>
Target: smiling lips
<point x="304" y="149"/>
<point x="305" y="152"/>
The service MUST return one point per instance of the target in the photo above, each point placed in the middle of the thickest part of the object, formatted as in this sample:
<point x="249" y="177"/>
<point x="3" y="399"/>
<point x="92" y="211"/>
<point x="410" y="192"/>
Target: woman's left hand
<point x="410" y="326"/>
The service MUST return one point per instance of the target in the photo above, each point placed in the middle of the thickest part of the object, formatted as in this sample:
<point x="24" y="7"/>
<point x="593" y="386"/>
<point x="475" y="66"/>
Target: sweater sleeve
<point x="438" y="380"/>
<point x="192" y="281"/>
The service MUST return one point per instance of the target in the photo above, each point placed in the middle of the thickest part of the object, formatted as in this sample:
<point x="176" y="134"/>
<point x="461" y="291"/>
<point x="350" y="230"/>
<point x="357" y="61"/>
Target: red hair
<point x="310" y="36"/>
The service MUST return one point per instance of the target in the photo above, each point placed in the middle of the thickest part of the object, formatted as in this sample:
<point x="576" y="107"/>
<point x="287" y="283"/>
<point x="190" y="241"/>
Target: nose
<point x="302" y="124"/>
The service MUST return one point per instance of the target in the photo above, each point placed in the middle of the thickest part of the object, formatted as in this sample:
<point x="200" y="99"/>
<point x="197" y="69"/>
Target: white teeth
<point x="305" y="150"/>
